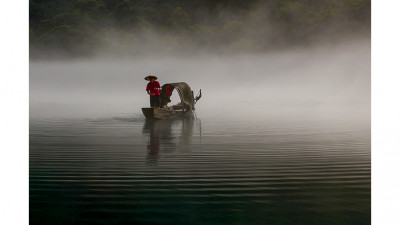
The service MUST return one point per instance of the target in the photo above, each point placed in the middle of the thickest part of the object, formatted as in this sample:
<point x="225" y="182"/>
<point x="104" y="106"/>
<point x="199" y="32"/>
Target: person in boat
<point x="153" y="89"/>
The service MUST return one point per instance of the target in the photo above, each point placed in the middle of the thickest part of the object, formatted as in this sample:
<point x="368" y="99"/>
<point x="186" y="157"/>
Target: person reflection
<point x="161" y="137"/>
<point x="159" y="132"/>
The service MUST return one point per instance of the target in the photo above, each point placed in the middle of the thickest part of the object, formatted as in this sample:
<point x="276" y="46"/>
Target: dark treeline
<point x="86" y="26"/>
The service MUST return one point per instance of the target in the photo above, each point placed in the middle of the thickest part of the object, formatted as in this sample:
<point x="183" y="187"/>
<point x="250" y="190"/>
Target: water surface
<point x="282" y="138"/>
<point x="129" y="170"/>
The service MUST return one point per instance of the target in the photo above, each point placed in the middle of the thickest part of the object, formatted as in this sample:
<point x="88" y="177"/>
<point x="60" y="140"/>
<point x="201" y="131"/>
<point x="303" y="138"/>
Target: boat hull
<point x="164" y="113"/>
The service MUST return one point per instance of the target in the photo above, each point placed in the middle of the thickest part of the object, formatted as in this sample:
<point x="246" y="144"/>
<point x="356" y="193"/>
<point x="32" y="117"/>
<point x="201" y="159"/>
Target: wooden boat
<point x="185" y="108"/>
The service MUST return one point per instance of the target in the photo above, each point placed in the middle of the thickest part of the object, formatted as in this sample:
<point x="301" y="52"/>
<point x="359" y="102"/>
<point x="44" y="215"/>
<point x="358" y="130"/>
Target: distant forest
<point x="87" y="26"/>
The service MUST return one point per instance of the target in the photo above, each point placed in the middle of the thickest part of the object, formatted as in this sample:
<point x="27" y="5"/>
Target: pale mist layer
<point x="325" y="81"/>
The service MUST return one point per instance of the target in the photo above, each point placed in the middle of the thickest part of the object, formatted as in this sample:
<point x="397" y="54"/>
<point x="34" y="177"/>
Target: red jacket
<point x="150" y="87"/>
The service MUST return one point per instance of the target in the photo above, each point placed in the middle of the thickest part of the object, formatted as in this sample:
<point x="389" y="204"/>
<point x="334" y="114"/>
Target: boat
<point x="185" y="108"/>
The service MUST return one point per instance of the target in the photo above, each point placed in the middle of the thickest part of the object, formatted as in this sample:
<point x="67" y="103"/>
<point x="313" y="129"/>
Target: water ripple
<point x="186" y="172"/>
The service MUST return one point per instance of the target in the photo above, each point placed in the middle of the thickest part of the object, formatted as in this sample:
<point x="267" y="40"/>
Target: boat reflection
<point x="167" y="136"/>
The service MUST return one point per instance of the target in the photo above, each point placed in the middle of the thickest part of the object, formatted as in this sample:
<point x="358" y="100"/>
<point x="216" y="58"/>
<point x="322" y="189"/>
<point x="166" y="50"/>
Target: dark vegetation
<point x="87" y="26"/>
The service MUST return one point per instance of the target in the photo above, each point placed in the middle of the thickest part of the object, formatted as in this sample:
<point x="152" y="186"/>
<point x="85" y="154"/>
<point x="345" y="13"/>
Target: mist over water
<point x="281" y="137"/>
<point x="318" y="81"/>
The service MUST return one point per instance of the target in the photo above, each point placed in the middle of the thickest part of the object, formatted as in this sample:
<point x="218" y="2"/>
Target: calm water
<point x="128" y="170"/>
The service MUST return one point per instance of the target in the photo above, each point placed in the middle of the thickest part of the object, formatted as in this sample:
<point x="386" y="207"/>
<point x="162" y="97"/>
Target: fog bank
<point x="330" y="80"/>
